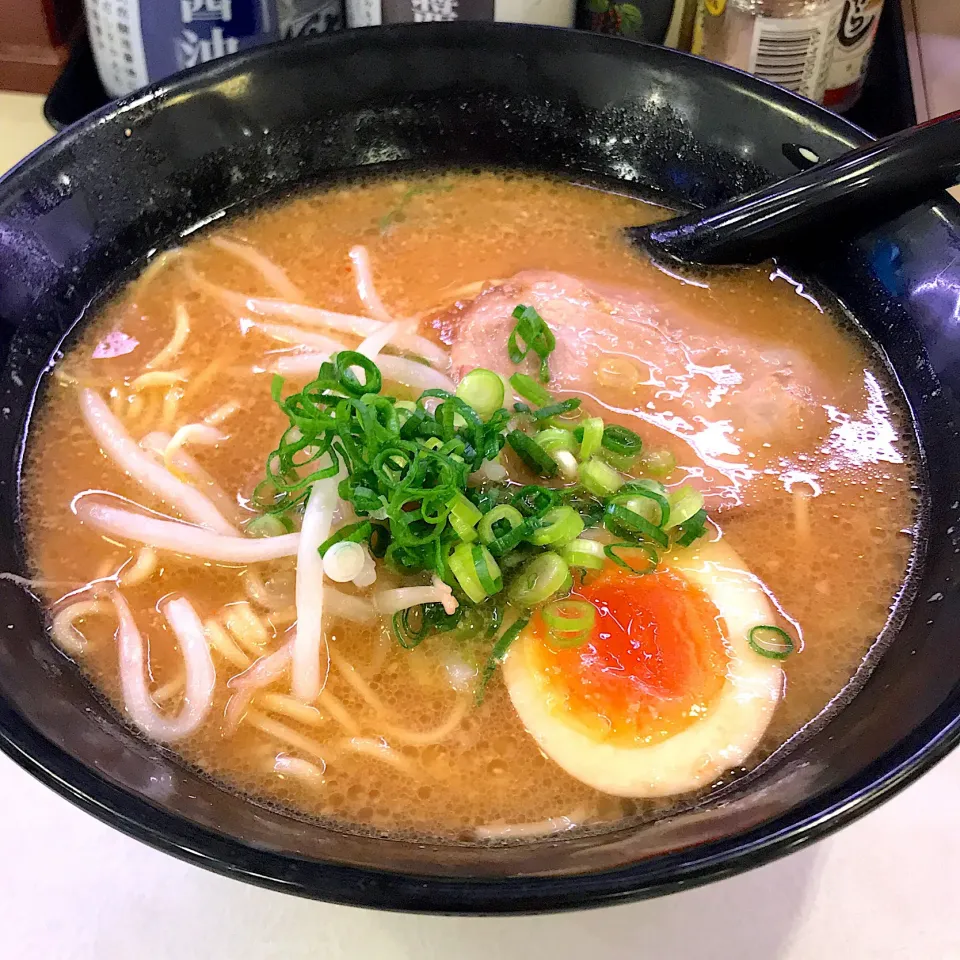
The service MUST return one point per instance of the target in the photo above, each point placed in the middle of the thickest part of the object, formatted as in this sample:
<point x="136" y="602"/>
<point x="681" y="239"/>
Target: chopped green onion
<point x="601" y="480"/>
<point x="500" y="649"/>
<point x="502" y="513"/>
<point x="587" y="554"/>
<point x="655" y="495"/>
<point x="567" y="463"/>
<point x="638" y="558"/>
<point x="487" y="569"/>
<point x="535" y="501"/>
<point x="684" y="503"/>
<point x="569" y="623"/>
<point x="589" y="507"/>
<point x="513" y="538"/>
<point x="565" y="641"/>
<point x="533" y="332"/>
<point x="561" y="525"/>
<point x="529" y="389"/>
<point x="556" y="409"/>
<point x="771" y="642"/>
<point x="351" y="532"/>
<point x="532" y="454"/>
<point x="483" y="390"/>
<point x="552" y="439"/>
<point x="266" y="525"/>
<point x="379" y="539"/>
<point x="538" y="580"/>
<point x="693" y="529"/>
<point x="620" y="461"/>
<point x="463" y="517"/>
<point x="569" y="616"/>
<point x="413" y="625"/>
<point x="621" y="521"/>
<point x="344" y="361"/>
<point x="591" y="435"/>
<point x="476" y="571"/>
<point x="619" y="439"/>
<point x="410" y="635"/>
<point x="658" y="463"/>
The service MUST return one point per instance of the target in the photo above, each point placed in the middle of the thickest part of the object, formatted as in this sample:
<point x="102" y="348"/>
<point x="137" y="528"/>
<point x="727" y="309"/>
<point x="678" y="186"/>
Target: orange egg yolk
<point x="654" y="662"/>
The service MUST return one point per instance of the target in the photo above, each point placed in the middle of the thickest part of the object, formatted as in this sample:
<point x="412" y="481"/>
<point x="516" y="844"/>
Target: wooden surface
<point x="33" y="42"/>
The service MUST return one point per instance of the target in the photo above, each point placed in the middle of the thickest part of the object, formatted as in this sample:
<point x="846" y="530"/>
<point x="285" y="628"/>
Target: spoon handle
<point x="839" y="198"/>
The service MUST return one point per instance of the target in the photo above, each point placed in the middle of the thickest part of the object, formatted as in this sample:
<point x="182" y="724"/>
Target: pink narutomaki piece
<point x="115" y="344"/>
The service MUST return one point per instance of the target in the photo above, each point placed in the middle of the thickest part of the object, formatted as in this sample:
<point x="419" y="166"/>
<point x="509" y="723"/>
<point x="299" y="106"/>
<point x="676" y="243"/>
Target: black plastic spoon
<point x="835" y="199"/>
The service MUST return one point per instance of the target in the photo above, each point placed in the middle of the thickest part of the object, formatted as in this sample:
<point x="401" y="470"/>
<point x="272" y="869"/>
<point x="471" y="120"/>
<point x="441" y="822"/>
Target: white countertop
<point x="883" y="889"/>
<point x="73" y="889"/>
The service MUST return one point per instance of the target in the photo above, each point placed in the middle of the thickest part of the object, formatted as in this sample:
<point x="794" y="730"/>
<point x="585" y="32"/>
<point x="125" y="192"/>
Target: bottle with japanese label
<point x="138" y="41"/>
<point x="789" y="42"/>
<point x="373" y="13"/>
<point x="851" y="52"/>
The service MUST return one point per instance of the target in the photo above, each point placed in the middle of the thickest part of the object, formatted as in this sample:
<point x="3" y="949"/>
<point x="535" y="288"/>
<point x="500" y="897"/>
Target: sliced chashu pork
<point x="726" y="404"/>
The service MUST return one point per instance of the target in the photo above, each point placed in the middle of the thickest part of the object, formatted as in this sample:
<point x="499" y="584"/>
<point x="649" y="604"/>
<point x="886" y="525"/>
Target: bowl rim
<point x="341" y="883"/>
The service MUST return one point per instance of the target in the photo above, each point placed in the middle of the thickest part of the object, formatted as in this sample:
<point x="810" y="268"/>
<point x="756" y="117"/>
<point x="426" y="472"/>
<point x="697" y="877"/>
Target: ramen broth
<point x="813" y="485"/>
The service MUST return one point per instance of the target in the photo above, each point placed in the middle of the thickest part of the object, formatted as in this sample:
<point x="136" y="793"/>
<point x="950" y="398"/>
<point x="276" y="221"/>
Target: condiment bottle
<point x="851" y="52"/>
<point x="373" y="13"/>
<point x="135" y="42"/>
<point x="789" y="42"/>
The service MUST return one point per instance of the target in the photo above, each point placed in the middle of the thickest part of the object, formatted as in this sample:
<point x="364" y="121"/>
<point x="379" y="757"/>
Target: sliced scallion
<point x="770" y="642"/>
<point x="483" y="390"/>
<point x="639" y="558"/>
<point x="500" y="649"/>
<point x="591" y="435"/>
<point x="533" y="333"/>
<point x="501" y="514"/>
<point x="569" y="623"/>
<point x="266" y="525"/>
<point x="654" y="494"/>
<point x="621" y="521"/>
<point x="692" y="529"/>
<point x="353" y="532"/>
<point x="529" y="389"/>
<point x="621" y="440"/>
<point x="684" y="503"/>
<point x="587" y="554"/>
<point x="475" y="570"/>
<point x="345" y="362"/>
<point x="658" y="463"/>
<point x="567" y="464"/>
<point x="463" y="517"/>
<point x="535" y="501"/>
<point x="599" y="478"/>
<point x="538" y="580"/>
<point x="486" y="569"/>
<point x="560" y="525"/>
<point x="532" y="454"/>
<point x="557" y="409"/>
<point x="569" y="616"/>
<point x="553" y="439"/>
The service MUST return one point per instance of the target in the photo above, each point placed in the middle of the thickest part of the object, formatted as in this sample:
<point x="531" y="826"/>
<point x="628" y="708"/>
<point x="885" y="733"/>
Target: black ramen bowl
<point x="79" y="215"/>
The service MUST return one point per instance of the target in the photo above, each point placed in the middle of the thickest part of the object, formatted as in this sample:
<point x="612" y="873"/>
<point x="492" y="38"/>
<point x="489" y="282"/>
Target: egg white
<point x="696" y="756"/>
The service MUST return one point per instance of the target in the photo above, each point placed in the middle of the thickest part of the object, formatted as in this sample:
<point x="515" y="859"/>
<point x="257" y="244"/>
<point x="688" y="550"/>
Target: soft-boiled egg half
<point x="667" y="693"/>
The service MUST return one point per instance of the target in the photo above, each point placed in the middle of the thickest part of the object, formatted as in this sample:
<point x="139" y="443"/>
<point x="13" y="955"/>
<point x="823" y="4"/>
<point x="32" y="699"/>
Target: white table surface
<point x="73" y="889"/>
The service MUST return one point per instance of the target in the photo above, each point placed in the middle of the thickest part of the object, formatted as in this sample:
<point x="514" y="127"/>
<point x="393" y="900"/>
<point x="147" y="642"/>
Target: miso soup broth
<point x="642" y="530"/>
